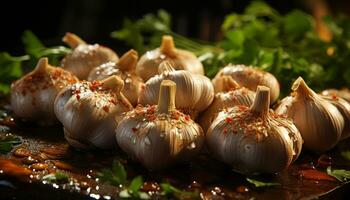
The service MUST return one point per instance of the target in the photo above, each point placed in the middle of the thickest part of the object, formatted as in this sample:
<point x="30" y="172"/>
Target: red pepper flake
<point x="228" y="120"/>
<point x="134" y="129"/>
<point x="105" y="108"/>
<point x="225" y="130"/>
<point x="94" y="85"/>
<point x="334" y="97"/>
<point x="187" y="118"/>
<point x="143" y="86"/>
<point x="78" y="97"/>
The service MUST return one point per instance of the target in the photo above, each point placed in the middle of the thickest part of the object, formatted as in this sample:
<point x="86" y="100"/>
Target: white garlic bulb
<point x="85" y="57"/>
<point x="248" y="77"/>
<point x="160" y="136"/>
<point x="319" y="122"/>
<point x="125" y="69"/>
<point x="344" y="108"/>
<point x="194" y="92"/>
<point x="33" y="95"/>
<point x="254" y="140"/>
<point x="342" y="93"/>
<point x="91" y="111"/>
<point x="234" y="96"/>
<point x="148" y="65"/>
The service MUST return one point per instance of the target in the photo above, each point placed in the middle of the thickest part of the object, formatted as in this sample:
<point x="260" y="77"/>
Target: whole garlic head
<point x="91" y="111"/>
<point x="247" y="138"/>
<point x="194" y="92"/>
<point x="125" y="69"/>
<point x="33" y="96"/>
<point x="319" y="122"/>
<point x="235" y="96"/>
<point x="248" y="77"/>
<point x="148" y="65"/>
<point x="85" y="57"/>
<point x="160" y="136"/>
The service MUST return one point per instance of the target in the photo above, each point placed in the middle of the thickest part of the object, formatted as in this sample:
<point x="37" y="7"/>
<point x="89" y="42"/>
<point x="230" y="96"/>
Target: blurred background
<point x="93" y="20"/>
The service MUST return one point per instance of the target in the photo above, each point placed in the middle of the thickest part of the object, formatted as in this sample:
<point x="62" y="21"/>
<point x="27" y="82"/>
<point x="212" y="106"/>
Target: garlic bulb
<point x="248" y="77"/>
<point x="194" y="92"/>
<point x="342" y="93"/>
<point x="182" y="59"/>
<point x="125" y="69"/>
<point x="33" y="95"/>
<point x="91" y="111"/>
<point x="254" y="140"/>
<point x="344" y="108"/>
<point x="84" y="56"/>
<point x="160" y="136"/>
<point x="234" y="97"/>
<point x="319" y="122"/>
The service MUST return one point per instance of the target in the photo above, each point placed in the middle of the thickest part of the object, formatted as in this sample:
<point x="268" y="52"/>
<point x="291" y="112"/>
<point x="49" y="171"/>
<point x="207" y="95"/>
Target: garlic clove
<point x="245" y="138"/>
<point x="125" y="69"/>
<point x="148" y="64"/>
<point x="342" y="93"/>
<point x="248" y="77"/>
<point x="319" y="122"/>
<point x="160" y="136"/>
<point x="85" y="57"/>
<point x="91" y="111"/>
<point x="33" y="95"/>
<point x="194" y="92"/>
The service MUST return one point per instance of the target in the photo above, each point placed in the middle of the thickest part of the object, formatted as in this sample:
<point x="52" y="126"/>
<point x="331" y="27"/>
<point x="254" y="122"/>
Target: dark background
<point x="93" y="20"/>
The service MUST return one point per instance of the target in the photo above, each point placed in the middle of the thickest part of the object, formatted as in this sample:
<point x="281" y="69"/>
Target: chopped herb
<point x="132" y="191"/>
<point x="58" y="177"/>
<point x="257" y="183"/>
<point x="169" y="190"/>
<point x="340" y="174"/>
<point x="115" y="176"/>
<point x="345" y="154"/>
<point x="7" y="142"/>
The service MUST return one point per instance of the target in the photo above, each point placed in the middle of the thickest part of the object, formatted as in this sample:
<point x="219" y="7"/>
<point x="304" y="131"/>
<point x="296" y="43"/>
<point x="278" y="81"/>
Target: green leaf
<point x="115" y="176"/>
<point x="135" y="184"/>
<point x="340" y="174"/>
<point x="58" y="177"/>
<point x="257" y="183"/>
<point x="170" y="190"/>
<point x="31" y="42"/>
<point x="7" y="142"/>
<point x="297" y="23"/>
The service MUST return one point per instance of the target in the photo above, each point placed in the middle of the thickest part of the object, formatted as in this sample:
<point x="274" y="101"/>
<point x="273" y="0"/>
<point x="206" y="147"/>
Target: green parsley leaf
<point x="115" y="176"/>
<point x="340" y="174"/>
<point x="257" y="183"/>
<point x="58" y="177"/>
<point x="7" y="142"/>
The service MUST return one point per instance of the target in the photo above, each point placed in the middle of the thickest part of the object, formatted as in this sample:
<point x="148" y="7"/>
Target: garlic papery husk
<point x="342" y="93"/>
<point x="85" y="57"/>
<point x="254" y="139"/>
<point x="160" y="136"/>
<point x="91" y="111"/>
<point x="344" y="108"/>
<point x="319" y="122"/>
<point x="248" y="77"/>
<point x="148" y="65"/>
<point x="125" y="69"/>
<point x="33" y="96"/>
<point x="235" y="96"/>
<point x="194" y="92"/>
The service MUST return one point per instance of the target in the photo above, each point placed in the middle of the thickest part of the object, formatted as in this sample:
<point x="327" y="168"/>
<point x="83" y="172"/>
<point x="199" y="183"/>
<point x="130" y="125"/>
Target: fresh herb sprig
<point x="7" y="142"/>
<point x="58" y="177"/>
<point x="258" y="183"/>
<point x="340" y="174"/>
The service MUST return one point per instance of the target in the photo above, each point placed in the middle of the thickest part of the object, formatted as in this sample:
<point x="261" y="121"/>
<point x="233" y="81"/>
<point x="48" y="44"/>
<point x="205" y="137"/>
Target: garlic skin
<point x="344" y="108"/>
<point x="159" y="136"/>
<point x="234" y="96"/>
<point x="85" y="57"/>
<point x="342" y="93"/>
<point x="91" y="111"/>
<point x="248" y="77"/>
<point x="246" y="138"/>
<point x="32" y="96"/>
<point x="125" y="69"/>
<point x="194" y="92"/>
<point x="148" y="65"/>
<point x="319" y="122"/>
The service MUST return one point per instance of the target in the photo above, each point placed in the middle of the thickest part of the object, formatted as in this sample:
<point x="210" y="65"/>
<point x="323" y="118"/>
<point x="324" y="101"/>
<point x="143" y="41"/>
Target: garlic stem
<point x="166" y="101"/>
<point x="228" y="83"/>
<point x="128" y="61"/>
<point x="43" y="63"/>
<point x="72" y="40"/>
<point x="165" y="66"/>
<point x="301" y="88"/>
<point x="261" y="102"/>
<point x="168" y="47"/>
<point x="114" y="83"/>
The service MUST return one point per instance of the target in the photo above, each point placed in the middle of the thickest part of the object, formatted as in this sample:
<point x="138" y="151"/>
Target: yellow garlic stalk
<point x="159" y="136"/>
<point x="32" y="96"/>
<point x="148" y="65"/>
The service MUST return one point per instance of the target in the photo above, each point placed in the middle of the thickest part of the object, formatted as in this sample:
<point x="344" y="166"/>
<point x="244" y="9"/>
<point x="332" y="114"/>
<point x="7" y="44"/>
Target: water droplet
<point x="192" y="145"/>
<point x="128" y="80"/>
<point x="147" y="141"/>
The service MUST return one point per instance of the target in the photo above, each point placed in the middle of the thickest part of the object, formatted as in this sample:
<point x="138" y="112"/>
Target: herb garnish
<point x="7" y="142"/>
<point x="58" y="177"/>
<point x="340" y="174"/>
<point x="257" y="183"/>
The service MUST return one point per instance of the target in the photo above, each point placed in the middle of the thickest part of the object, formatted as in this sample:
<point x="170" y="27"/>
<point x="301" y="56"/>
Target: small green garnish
<point x="58" y="177"/>
<point x="257" y="183"/>
<point x="340" y="174"/>
<point x="169" y="190"/>
<point x="115" y="176"/>
<point x="132" y="191"/>
<point x="7" y="142"/>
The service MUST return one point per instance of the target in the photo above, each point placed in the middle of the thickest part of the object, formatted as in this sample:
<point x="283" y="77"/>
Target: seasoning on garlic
<point x="248" y="77"/>
<point x="319" y="122"/>
<point x="246" y="138"/>
<point x="194" y="92"/>
<point x="160" y="136"/>
<point x="125" y="69"/>
<point x="32" y="96"/>
<point x="234" y="96"/>
<point x="343" y="93"/>
<point x="148" y="65"/>
<point x="91" y="111"/>
<point x="85" y="57"/>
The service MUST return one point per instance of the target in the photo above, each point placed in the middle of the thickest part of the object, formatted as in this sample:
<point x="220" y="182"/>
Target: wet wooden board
<point x="45" y="151"/>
